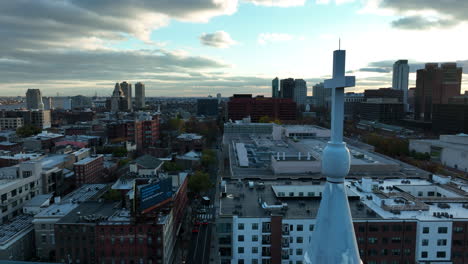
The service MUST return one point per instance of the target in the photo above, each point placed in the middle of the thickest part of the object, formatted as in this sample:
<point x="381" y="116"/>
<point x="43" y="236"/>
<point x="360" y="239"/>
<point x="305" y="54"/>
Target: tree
<point x="171" y="167"/>
<point x="176" y="124"/>
<point x="119" y="152"/>
<point x="27" y="131"/>
<point x="199" y="182"/>
<point x="208" y="157"/>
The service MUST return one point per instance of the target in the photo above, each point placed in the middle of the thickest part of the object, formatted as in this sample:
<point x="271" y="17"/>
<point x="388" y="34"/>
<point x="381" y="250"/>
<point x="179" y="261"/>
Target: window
<point x="420" y="193"/>
<point x="425" y="242"/>
<point x="407" y="252"/>
<point x="43" y="238"/>
<point x="311" y="227"/>
<point x="291" y="227"/>
<point x="299" y="240"/>
<point x="458" y="229"/>
<point x="300" y="228"/>
<point x="384" y="252"/>
<point x="396" y="240"/>
<point x="424" y="254"/>
<point x="442" y="230"/>
<point x="240" y="261"/>
<point x="441" y="254"/>
<point x="240" y="250"/>
<point x="426" y="230"/>
<point x="441" y="242"/>
<point x="254" y="238"/>
<point x="385" y="228"/>
<point x="255" y="250"/>
<point x="395" y="252"/>
<point x="299" y="251"/>
<point x="372" y="240"/>
<point x="254" y="226"/>
<point x="240" y="226"/>
<point x="254" y="261"/>
<point x="430" y="194"/>
<point x="361" y="229"/>
<point x="240" y="238"/>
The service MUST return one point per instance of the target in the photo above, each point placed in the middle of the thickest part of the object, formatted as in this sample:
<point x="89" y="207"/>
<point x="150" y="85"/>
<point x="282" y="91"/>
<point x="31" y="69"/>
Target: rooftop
<point x="72" y="200"/>
<point x="89" y="211"/>
<point x="87" y="160"/>
<point x="290" y="198"/>
<point x="189" y="136"/>
<point x="15" y="227"/>
<point x="54" y="160"/>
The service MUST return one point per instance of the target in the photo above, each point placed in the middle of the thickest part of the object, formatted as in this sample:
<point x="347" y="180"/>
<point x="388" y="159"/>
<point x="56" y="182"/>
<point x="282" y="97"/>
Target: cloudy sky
<point x="201" y="47"/>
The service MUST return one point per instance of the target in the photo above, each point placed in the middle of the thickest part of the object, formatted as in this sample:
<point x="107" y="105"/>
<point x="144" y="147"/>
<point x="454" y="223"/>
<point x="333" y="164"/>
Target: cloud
<point x="420" y="22"/>
<point x="425" y="14"/>
<point x="90" y="24"/>
<point x="280" y="3"/>
<point x="380" y="70"/>
<point x="265" y="38"/>
<point x="219" y="39"/>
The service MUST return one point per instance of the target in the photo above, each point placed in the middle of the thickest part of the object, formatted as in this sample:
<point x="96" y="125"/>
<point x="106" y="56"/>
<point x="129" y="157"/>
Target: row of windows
<point x="241" y="238"/>
<point x="254" y="226"/>
<point x="264" y="261"/>
<point x="384" y="228"/>
<point x="385" y="240"/>
<point x="440" y="242"/>
<point x="440" y="230"/>
<point x="439" y="254"/>
<point x="387" y="252"/>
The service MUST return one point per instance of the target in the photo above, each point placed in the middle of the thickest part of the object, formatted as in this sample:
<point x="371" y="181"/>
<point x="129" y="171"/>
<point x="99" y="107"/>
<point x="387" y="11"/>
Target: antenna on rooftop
<point x="339" y="43"/>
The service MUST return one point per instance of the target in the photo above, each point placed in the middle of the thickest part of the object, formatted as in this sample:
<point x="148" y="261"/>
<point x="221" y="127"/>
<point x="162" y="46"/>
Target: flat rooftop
<point x="87" y="160"/>
<point x="440" y="201"/>
<point x="71" y="201"/>
<point x="260" y="200"/>
<point x="261" y="148"/>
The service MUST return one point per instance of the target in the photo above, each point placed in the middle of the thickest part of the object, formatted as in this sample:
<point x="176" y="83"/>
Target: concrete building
<point x="127" y="92"/>
<point x="270" y="151"/>
<point x="241" y="106"/>
<point x="400" y="79"/>
<point x="449" y="150"/>
<point x="89" y="170"/>
<point x="435" y="85"/>
<point x="34" y="99"/>
<point x="118" y="101"/>
<point x="322" y="96"/>
<point x="41" y="141"/>
<point x="395" y="221"/>
<point x="18" y="184"/>
<point x="300" y="92"/>
<point x="45" y="220"/>
<point x="48" y="103"/>
<point x="11" y="123"/>
<point x="140" y="98"/>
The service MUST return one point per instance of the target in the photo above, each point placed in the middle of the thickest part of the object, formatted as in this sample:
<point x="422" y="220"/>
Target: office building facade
<point x="34" y="99"/>
<point x="275" y="88"/>
<point x="140" y="95"/>
<point x="400" y="79"/>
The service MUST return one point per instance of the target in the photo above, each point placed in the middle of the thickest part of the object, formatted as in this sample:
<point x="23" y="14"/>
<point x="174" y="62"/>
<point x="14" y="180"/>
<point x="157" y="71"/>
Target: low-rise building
<point x="89" y="170"/>
<point x="187" y="142"/>
<point x="17" y="239"/>
<point x="450" y="150"/>
<point x="11" y="123"/>
<point x="42" y="141"/>
<point x="45" y="220"/>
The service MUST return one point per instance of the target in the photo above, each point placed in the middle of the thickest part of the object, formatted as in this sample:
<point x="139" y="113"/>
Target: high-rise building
<point x="34" y="99"/>
<point x="400" y="79"/>
<point x="118" y="101"/>
<point x="300" y="91"/>
<point x="218" y="96"/>
<point x="127" y="91"/>
<point x="287" y="88"/>
<point x="275" y="88"/>
<point x="435" y="85"/>
<point x="140" y="95"/>
<point x="321" y="95"/>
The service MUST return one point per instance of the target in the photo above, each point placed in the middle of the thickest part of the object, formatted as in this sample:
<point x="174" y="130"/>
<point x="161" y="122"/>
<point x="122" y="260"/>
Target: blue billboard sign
<point x="155" y="193"/>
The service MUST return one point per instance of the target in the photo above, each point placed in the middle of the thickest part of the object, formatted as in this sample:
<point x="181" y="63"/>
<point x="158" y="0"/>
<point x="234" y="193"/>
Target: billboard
<point x="155" y="193"/>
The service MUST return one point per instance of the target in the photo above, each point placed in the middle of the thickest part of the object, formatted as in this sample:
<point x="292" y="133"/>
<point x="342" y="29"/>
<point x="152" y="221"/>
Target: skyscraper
<point x="300" y="92"/>
<point x="321" y="95"/>
<point x="117" y="99"/>
<point x="127" y="91"/>
<point x="400" y="79"/>
<point x="139" y="95"/>
<point x="287" y="88"/>
<point x="34" y="99"/>
<point x="435" y="85"/>
<point x="275" y="88"/>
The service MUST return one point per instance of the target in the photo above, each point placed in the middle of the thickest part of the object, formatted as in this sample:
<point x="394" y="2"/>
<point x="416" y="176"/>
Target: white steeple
<point x="333" y="239"/>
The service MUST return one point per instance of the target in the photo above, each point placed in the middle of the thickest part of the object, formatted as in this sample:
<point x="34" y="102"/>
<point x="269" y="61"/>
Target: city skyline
<point x="204" y="48"/>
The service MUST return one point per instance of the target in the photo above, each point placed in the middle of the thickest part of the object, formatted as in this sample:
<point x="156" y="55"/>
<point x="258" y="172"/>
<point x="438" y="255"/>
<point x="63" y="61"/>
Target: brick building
<point x="240" y="107"/>
<point x="89" y="170"/>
